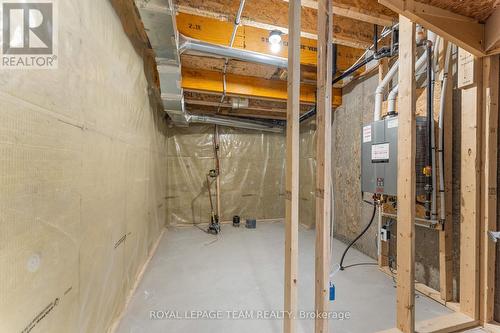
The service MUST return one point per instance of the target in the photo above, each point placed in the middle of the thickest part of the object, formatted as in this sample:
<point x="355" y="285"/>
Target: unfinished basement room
<point x="250" y="166"/>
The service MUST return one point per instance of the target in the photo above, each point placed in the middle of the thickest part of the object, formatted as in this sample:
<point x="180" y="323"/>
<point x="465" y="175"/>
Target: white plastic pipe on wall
<point x="442" y="104"/>
<point x="391" y="99"/>
<point x="433" y="37"/>
<point x="379" y="92"/>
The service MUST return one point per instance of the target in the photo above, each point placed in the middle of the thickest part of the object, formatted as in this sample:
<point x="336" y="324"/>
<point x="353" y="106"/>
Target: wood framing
<point x="364" y="10"/>
<point x="492" y="32"/>
<point x="349" y="32"/>
<point x="463" y="31"/>
<point x="323" y="163"/>
<point x="238" y="85"/>
<point x="292" y="169"/>
<point x="446" y="234"/>
<point x="489" y="186"/>
<point x="469" y="74"/>
<point x="406" y="179"/>
<point x="250" y="38"/>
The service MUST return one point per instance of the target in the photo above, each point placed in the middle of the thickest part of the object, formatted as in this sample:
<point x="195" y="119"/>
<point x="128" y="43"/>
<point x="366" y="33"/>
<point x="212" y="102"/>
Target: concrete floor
<point x="242" y="270"/>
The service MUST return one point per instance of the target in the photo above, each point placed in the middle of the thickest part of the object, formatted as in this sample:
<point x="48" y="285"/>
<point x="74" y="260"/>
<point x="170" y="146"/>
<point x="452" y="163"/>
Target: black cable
<point x="356" y="239"/>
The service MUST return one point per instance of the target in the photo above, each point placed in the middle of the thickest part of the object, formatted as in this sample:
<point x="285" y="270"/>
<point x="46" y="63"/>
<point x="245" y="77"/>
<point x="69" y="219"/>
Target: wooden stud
<point x="323" y="163"/>
<point x="469" y="69"/>
<point x="446" y="235"/>
<point x="489" y="186"/>
<point x="406" y="179"/>
<point x="292" y="169"/>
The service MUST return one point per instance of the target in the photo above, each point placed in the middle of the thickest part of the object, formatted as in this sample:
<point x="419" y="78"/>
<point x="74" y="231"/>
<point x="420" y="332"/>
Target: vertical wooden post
<point x="323" y="162"/>
<point x="292" y="167"/>
<point x="406" y="179"/>
<point x="469" y="80"/>
<point x="446" y="235"/>
<point x="489" y="185"/>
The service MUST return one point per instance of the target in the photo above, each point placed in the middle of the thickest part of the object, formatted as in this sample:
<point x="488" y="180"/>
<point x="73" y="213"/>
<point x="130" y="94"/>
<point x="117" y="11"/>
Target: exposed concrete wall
<point x="82" y="178"/>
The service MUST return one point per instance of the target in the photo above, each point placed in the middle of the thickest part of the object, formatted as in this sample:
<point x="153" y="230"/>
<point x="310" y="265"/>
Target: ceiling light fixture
<point x="275" y="40"/>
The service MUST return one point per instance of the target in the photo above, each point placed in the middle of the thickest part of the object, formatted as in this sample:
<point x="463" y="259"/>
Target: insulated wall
<point x="82" y="177"/>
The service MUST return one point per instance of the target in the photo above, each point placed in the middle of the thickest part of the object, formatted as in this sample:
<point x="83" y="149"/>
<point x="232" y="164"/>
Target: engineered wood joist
<point x="272" y="15"/>
<point x="323" y="163"/>
<point x="362" y="10"/>
<point x="199" y="80"/>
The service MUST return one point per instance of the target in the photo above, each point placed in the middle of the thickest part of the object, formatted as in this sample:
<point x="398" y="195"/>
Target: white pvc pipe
<point x="394" y="92"/>
<point x="379" y="92"/>
<point x="442" y="104"/>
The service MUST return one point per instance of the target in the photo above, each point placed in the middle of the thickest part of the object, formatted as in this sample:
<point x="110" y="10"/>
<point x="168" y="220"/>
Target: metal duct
<point x="226" y="121"/>
<point x="190" y="44"/>
<point x="158" y="17"/>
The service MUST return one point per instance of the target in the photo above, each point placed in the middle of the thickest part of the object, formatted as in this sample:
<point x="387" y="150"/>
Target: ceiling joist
<point x="463" y="31"/>
<point x="254" y="39"/>
<point x="492" y="32"/>
<point x="362" y="10"/>
<point x="200" y="80"/>
<point x="272" y="15"/>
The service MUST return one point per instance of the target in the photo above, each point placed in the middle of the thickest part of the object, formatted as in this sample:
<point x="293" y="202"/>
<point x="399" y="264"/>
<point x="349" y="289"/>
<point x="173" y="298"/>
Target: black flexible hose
<point x="356" y="239"/>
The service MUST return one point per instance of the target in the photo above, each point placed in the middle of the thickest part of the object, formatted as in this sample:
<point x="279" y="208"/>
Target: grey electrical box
<point x="379" y="155"/>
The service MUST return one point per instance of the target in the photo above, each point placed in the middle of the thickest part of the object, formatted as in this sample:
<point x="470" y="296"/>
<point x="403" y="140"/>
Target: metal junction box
<point x="379" y="154"/>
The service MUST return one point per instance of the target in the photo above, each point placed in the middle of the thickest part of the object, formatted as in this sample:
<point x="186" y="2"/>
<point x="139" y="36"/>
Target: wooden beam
<point x="323" y="163"/>
<point x="406" y="178"/>
<point x="462" y="31"/>
<point x="238" y="85"/>
<point x="469" y="76"/>
<point x="492" y="32"/>
<point x="489" y="185"/>
<point x="272" y="15"/>
<point x="364" y="10"/>
<point x="446" y="234"/>
<point x="292" y="170"/>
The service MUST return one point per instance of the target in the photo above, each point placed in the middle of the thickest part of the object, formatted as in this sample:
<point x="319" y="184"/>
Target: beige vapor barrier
<point x="82" y="178"/>
<point x="252" y="168"/>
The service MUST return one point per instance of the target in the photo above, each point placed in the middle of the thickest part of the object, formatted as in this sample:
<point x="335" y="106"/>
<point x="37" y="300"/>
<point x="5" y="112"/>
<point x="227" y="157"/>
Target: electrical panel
<point x="379" y="155"/>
